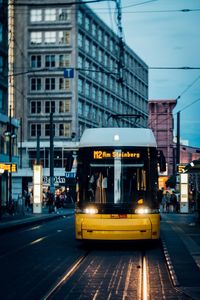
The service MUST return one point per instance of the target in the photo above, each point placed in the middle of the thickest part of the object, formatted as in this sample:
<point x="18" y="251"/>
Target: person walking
<point x="173" y="201"/>
<point x="167" y="195"/>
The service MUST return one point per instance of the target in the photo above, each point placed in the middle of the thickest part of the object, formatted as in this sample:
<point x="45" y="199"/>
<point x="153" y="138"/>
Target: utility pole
<point x="52" y="187"/>
<point x="178" y="139"/>
<point x="38" y="149"/>
<point x="10" y="156"/>
<point x="21" y="143"/>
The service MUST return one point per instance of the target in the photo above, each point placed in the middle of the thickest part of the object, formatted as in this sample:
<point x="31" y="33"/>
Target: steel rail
<point x="65" y="277"/>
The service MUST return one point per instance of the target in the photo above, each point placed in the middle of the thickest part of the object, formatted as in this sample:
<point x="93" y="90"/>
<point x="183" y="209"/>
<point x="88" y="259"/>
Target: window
<point x="36" y="37"/>
<point x="94" y="113"/>
<point x="87" y="23"/>
<point x="63" y="14"/>
<point x="106" y="99"/>
<point x="80" y="40"/>
<point x="80" y="108"/>
<point x="58" y="158"/>
<point x="94" y="30"/>
<point x="80" y="86"/>
<point x="35" y="130"/>
<point x="49" y="107"/>
<point x="36" y="84"/>
<point x="35" y="61"/>
<point x="50" y="61"/>
<point x="64" y="106"/>
<point x="64" y="60"/>
<point x="80" y="62"/>
<point x="100" y="35"/>
<point x="64" y="84"/>
<point x="80" y="17"/>
<point x="94" y="50"/>
<point x="100" y="55"/>
<point x="50" y="14"/>
<point x="94" y="93"/>
<point x="36" y="15"/>
<point x="64" y="37"/>
<point x="50" y="37"/>
<point x="87" y="89"/>
<point x="87" y="67"/>
<point x="87" y="111"/>
<point x="50" y="84"/>
<point x="106" y="40"/>
<point x="100" y="97"/>
<point x="35" y="107"/>
<point x="64" y="129"/>
<point x="87" y="45"/>
<point x="47" y="129"/>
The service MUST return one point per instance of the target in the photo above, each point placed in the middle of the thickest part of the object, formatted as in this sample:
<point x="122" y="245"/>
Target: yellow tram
<point x="117" y="185"/>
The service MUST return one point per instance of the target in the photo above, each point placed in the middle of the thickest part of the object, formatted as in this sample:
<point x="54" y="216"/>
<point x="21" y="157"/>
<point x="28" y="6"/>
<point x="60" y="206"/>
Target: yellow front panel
<point x="116" y="235"/>
<point x="113" y="227"/>
<point x="116" y="224"/>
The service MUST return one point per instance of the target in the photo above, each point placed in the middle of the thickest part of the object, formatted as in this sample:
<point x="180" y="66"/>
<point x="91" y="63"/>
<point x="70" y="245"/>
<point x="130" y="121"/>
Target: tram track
<point x="65" y="277"/>
<point x="117" y="273"/>
<point x="126" y="276"/>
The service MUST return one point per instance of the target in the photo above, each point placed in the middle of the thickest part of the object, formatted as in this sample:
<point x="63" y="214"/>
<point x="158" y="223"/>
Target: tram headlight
<point x="91" y="210"/>
<point x="142" y="210"/>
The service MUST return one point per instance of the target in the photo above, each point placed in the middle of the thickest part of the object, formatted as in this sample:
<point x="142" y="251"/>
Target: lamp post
<point x="11" y="135"/>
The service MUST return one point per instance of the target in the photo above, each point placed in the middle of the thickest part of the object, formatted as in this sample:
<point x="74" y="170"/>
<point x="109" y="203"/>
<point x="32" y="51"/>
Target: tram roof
<point x="96" y="137"/>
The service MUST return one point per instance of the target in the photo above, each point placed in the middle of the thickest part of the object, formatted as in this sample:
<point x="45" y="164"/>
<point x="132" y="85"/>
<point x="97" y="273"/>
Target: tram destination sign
<point x="102" y="154"/>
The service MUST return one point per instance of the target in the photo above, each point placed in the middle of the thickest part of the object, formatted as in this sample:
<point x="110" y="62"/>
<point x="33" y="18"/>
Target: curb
<point x="4" y="228"/>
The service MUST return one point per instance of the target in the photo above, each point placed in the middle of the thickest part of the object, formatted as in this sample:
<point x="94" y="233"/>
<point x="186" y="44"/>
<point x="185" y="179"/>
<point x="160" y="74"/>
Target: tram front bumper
<point x="105" y="228"/>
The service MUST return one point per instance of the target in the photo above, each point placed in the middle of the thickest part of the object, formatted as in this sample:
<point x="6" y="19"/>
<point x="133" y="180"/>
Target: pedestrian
<point x="57" y="203"/>
<point x="27" y="200"/>
<point x="167" y="195"/>
<point x="173" y="201"/>
<point x="50" y="202"/>
<point x="164" y="204"/>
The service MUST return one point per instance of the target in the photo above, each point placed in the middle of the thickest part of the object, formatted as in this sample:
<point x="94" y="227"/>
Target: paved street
<point x="180" y="234"/>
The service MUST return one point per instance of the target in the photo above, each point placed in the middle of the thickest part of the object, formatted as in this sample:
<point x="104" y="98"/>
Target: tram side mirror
<point x="69" y="163"/>
<point x="161" y="161"/>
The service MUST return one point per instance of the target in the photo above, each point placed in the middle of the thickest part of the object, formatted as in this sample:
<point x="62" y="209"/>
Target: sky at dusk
<point x="163" y="35"/>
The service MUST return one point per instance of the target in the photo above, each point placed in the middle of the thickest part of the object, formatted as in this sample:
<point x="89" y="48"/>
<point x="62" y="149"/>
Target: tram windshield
<point x="115" y="176"/>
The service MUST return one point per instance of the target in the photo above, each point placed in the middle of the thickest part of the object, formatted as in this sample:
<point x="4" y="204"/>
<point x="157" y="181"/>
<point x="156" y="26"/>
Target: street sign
<point x="70" y="175"/>
<point x="69" y="73"/>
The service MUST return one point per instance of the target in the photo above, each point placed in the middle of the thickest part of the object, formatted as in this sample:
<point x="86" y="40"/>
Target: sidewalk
<point x="9" y="222"/>
<point x="180" y="235"/>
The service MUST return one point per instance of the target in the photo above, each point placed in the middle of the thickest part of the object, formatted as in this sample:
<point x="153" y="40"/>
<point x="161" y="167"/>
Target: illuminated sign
<point x="181" y="168"/>
<point x="98" y="154"/>
<point x="8" y="167"/>
<point x="37" y="183"/>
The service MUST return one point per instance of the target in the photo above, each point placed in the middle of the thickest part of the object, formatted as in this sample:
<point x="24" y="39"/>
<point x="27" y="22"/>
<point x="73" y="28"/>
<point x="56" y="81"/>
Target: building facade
<point x="53" y="41"/>
<point x="8" y="125"/>
<point x="161" y="122"/>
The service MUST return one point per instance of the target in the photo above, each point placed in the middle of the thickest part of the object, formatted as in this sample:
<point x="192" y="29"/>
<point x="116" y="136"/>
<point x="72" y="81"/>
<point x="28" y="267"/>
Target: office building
<point x="8" y="125"/>
<point x="57" y="41"/>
